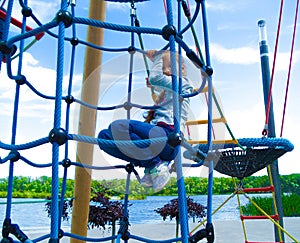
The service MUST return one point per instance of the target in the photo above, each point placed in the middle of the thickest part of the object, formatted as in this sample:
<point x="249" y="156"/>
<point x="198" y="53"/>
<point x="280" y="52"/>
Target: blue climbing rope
<point x="60" y="135"/>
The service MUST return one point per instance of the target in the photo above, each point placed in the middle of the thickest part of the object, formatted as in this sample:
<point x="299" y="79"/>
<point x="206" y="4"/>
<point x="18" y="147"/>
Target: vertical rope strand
<point x="180" y="179"/>
<point x="57" y="124"/>
<point x="131" y="56"/>
<point x="209" y="132"/>
<point x="14" y="122"/>
<point x="290" y="68"/>
<point x="67" y="122"/>
<point x="274" y="64"/>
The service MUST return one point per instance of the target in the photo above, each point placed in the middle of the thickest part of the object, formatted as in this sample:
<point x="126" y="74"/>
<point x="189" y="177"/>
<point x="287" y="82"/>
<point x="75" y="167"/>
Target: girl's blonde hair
<point x="167" y="54"/>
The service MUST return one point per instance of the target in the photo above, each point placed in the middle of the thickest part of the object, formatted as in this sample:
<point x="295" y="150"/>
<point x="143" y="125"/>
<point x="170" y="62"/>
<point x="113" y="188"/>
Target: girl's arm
<point x="157" y="77"/>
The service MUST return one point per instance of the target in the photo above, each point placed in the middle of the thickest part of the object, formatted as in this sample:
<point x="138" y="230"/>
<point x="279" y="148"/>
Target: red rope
<point x="166" y="9"/>
<point x="290" y="67"/>
<point x="265" y="131"/>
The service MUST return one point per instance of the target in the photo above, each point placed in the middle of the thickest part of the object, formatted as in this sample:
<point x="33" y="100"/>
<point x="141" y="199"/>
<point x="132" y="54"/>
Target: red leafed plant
<point x="104" y="211"/>
<point x="171" y="210"/>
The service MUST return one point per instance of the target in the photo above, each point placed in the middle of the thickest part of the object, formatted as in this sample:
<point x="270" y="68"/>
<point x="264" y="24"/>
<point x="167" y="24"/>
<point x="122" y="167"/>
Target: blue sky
<point x="233" y="35"/>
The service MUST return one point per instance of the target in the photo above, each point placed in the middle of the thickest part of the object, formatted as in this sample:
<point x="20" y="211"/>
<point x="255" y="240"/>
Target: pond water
<point x="140" y="211"/>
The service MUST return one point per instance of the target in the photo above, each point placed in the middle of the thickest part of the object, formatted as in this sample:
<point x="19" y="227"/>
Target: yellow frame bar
<point x="201" y="122"/>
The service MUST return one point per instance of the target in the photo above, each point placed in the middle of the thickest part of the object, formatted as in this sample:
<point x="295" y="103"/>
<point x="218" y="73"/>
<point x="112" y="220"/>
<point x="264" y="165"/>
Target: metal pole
<point x="265" y="68"/>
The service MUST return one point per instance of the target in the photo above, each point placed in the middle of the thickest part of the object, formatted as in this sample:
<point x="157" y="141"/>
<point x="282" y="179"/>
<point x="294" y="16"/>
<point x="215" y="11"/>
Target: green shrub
<point x="290" y="203"/>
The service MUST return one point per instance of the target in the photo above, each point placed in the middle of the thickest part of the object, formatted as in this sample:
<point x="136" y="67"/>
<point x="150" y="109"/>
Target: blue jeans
<point x="139" y="155"/>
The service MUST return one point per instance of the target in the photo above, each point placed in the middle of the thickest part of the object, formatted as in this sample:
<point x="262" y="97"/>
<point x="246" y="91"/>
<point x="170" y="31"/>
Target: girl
<point x="154" y="158"/>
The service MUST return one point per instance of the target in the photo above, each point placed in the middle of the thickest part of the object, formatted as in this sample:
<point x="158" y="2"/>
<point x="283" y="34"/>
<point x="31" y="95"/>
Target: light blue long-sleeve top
<point x="163" y="82"/>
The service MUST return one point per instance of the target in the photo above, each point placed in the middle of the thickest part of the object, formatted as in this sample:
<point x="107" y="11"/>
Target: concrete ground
<point x="225" y="231"/>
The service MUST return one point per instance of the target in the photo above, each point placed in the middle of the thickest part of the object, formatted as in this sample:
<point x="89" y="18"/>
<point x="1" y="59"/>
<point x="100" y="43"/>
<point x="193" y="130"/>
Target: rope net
<point x="62" y="31"/>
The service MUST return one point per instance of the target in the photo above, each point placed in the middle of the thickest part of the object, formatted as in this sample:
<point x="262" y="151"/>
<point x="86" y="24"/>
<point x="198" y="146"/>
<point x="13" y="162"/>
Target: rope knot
<point x="16" y="155"/>
<point x="65" y="17"/>
<point x="167" y="31"/>
<point x="27" y="12"/>
<point x="58" y="135"/>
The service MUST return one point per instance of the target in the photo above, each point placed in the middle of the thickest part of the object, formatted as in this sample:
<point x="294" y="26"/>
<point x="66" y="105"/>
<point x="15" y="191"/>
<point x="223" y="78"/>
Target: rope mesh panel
<point x="258" y="153"/>
<point x="242" y="163"/>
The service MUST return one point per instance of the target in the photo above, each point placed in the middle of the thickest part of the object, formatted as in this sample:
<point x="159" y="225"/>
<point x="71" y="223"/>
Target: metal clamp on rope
<point x="265" y="131"/>
<point x="123" y="230"/>
<point x="207" y="233"/>
<point x="9" y="228"/>
<point x="196" y="155"/>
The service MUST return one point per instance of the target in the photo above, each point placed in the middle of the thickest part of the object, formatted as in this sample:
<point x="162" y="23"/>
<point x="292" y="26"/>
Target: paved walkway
<point x="225" y="231"/>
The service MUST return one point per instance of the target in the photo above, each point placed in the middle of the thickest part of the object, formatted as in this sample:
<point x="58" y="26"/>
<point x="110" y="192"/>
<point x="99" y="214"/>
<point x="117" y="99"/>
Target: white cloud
<point x="117" y="6"/>
<point x="45" y="11"/>
<point x="248" y="55"/>
<point x="283" y="60"/>
<point x="225" y="6"/>
<point x="241" y="55"/>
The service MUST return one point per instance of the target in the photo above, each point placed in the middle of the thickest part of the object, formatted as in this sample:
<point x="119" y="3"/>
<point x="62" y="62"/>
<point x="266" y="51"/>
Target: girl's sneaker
<point x="146" y="181"/>
<point x="160" y="176"/>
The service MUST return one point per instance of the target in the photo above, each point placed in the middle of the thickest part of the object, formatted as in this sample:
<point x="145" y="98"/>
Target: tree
<point x="171" y="210"/>
<point x="102" y="211"/>
<point x="67" y="208"/>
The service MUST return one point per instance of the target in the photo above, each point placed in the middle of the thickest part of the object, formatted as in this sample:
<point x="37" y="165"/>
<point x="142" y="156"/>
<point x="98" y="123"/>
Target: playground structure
<point x="237" y="157"/>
